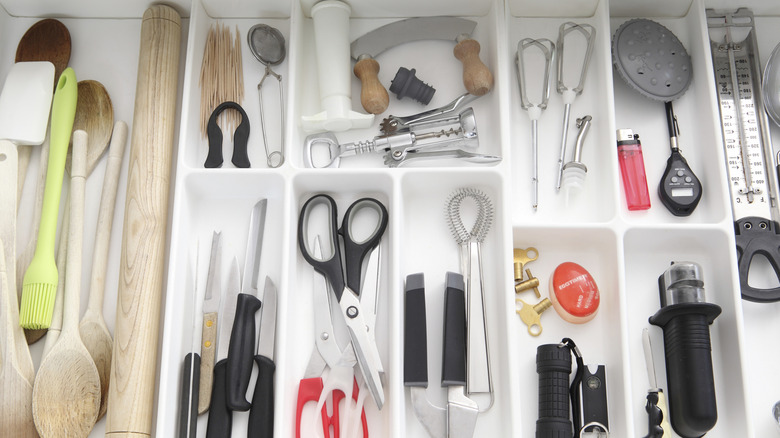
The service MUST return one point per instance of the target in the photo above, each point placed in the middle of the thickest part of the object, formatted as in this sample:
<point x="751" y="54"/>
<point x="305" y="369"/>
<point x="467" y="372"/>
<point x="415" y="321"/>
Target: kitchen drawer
<point x="624" y="251"/>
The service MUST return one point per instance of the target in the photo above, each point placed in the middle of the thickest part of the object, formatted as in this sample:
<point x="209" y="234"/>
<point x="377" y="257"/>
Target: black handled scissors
<point x="344" y="275"/>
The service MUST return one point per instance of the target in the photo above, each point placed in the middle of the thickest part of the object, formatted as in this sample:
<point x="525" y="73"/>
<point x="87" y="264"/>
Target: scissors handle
<point x="310" y="390"/>
<point x="355" y="251"/>
<point x="329" y="265"/>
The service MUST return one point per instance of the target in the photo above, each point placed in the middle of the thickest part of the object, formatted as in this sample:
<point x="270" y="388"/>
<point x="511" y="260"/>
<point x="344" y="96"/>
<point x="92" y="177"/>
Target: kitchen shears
<point x="345" y="276"/>
<point x="327" y="353"/>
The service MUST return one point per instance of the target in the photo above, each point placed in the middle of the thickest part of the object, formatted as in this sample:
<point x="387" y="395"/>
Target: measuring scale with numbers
<point x="747" y="144"/>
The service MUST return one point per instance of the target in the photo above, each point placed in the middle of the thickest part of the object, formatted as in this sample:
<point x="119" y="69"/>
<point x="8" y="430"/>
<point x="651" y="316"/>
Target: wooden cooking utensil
<point x="16" y="367"/>
<point x="46" y="40"/>
<point x="94" y="332"/>
<point x="133" y="365"/>
<point x="66" y="394"/>
<point x="94" y="115"/>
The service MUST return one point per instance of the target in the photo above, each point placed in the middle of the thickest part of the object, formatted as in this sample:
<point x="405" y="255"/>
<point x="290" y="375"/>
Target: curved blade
<point x="411" y="29"/>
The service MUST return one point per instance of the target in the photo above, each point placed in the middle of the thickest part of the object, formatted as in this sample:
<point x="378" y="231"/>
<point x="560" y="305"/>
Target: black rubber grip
<point x="689" y="377"/>
<point x="261" y="416"/>
<point x="453" y="367"/>
<point x="757" y="236"/>
<point x="553" y="364"/>
<point x="220" y="423"/>
<point x="240" y="352"/>
<point x="654" y="416"/>
<point x="188" y="402"/>
<point x="240" y="138"/>
<point x="415" y="333"/>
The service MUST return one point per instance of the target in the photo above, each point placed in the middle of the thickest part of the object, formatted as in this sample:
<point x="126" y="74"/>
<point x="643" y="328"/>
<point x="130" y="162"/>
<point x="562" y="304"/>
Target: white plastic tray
<point x="624" y="251"/>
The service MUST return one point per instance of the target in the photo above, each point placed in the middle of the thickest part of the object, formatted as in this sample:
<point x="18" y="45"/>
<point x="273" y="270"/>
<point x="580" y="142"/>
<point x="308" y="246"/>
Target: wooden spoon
<point x="94" y="332"/>
<point x="94" y="115"/>
<point x="46" y="40"/>
<point x="66" y="394"/>
<point x="16" y="367"/>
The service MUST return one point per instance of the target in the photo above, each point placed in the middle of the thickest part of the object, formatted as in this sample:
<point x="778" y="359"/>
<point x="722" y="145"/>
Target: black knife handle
<point x="220" y="423"/>
<point x="654" y="416"/>
<point x="261" y="416"/>
<point x="453" y="365"/>
<point x="415" y="333"/>
<point x="188" y="402"/>
<point x="240" y="352"/>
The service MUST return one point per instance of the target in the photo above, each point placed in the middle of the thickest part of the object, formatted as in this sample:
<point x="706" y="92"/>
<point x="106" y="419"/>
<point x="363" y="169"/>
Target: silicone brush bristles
<point x="37" y="305"/>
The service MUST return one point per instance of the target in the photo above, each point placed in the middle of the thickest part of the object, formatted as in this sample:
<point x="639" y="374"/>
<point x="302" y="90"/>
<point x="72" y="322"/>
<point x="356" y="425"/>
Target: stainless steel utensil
<point x="267" y="45"/>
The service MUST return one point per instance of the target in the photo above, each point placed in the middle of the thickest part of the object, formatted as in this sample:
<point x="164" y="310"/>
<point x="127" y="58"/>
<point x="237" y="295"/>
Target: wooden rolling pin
<point x="134" y="363"/>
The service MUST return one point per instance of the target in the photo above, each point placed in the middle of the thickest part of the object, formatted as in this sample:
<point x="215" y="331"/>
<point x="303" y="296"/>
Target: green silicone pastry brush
<point x="40" y="280"/>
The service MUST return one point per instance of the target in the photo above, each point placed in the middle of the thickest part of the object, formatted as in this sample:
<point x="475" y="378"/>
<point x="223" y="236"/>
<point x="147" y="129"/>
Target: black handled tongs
<point x="459" y="418"/>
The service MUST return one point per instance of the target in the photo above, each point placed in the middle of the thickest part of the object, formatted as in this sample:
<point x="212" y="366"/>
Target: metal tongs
<point x="588" y="32"/>
<point x="547" y="48"/>
<point x="406" y="138"/>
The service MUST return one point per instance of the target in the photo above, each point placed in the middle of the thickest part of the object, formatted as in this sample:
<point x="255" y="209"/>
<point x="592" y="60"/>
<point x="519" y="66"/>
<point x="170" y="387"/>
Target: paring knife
<point x="190" y="375"/>
<point x="220" y="422"/>
<point x="658" y="421"/>
<point x="242" y="338"/>
<point x="261" y="416"/>
<point x="211" y="302"/>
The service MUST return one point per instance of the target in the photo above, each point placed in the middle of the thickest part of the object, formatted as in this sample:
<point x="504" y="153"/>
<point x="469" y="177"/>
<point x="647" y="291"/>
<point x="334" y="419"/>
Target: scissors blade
<point x="368" y="296"/>
<point x="323" y="323"/>
<point x="365" y="348"/>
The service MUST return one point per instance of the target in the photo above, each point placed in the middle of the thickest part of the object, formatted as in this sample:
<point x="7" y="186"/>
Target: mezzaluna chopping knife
<point x="476" y="76"/>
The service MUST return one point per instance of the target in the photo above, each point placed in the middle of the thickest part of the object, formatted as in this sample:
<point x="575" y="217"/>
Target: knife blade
<point x="261" y="415"/>
<point x="188" y="400"/>
<point x="242" y="337"/>
<point x="211" y="301"/>
<point x="220" y="422"/>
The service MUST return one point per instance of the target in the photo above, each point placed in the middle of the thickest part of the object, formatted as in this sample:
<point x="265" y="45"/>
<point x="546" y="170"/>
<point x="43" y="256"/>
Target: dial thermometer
<point x="746" y="142"/>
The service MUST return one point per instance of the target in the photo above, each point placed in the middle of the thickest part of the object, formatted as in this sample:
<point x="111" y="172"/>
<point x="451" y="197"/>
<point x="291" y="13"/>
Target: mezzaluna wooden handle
<point x="373" y="95"/>
<point x="476" y="76"/>
<point x="134" y="362"/>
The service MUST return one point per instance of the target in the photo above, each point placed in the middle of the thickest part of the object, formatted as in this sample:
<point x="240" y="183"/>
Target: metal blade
<point x="365" y="348"/>
<point x="324" y="333"/>
<point x="462" y="413"/>
<point x="265" y="342"/>
<point x="649" y="359"/>
<point x="228" y="312"/>
<point x="254" y="247"/>
<point x="432" y="417"/>
<point x="411" y="29"/>
<point x="214" y="278"/>
<point x="370" y="290"/>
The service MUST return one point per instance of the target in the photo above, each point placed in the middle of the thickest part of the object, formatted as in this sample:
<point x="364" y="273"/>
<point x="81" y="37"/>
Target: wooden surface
<point x="208" y="351"/>
<point x="476" y="76"/>
<point x="66" y="394"/>
<point x="373" y="95"/>
<point x="95" y="115"/>
<point x="93" y="329"/>
<point x="16" y="367"/>
<point x="134" y="362"/>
